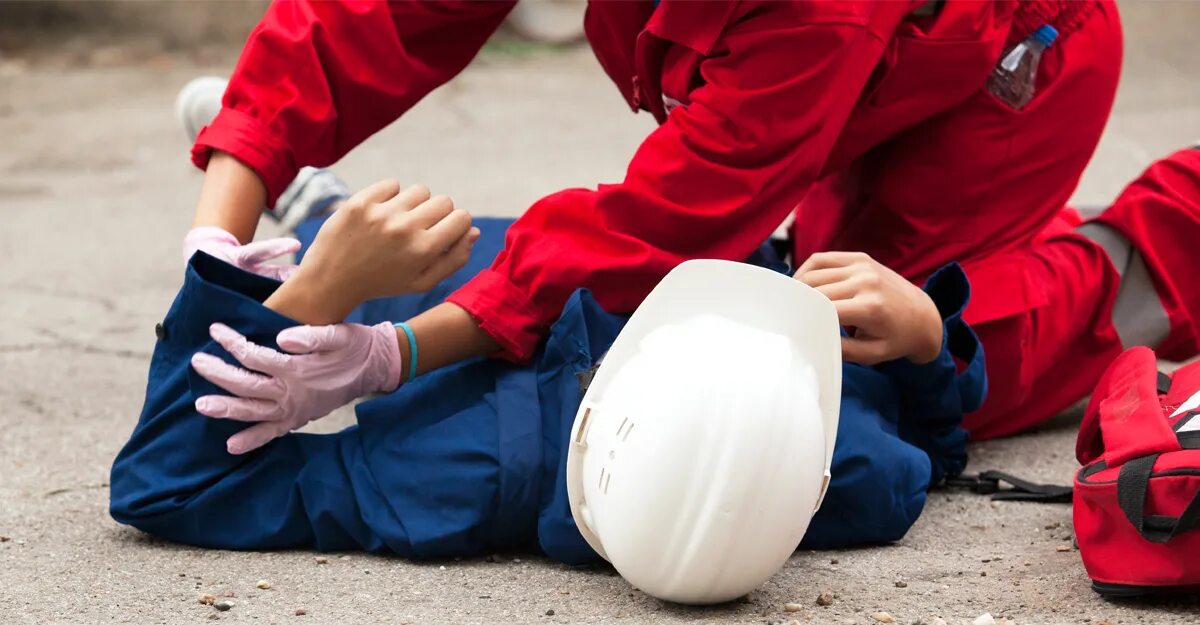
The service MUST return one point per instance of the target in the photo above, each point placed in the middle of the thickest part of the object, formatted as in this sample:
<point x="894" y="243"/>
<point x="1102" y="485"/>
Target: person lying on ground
<point x="471" y="457"/>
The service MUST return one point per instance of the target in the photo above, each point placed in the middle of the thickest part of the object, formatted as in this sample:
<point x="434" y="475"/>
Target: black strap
<point x="1164" y="383"/>
<point x="1132" y="483"/>
<point x="988" y="483"/>
<point x="1189" y="439"/>
<point x="585" y="378"/>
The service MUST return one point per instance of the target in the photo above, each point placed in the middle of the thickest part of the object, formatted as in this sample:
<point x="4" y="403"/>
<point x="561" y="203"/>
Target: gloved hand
<point x="322" y="368"/>
<point x="252" y="256"/>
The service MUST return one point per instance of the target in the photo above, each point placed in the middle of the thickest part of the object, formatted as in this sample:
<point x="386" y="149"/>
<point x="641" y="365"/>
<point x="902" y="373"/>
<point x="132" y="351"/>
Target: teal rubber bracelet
<point x="412" y="349"/>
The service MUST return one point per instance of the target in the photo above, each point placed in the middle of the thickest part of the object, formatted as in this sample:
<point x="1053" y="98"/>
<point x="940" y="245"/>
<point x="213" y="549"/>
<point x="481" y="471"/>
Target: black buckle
<point x="978" y="484"/>
<point x="988" y="483"/>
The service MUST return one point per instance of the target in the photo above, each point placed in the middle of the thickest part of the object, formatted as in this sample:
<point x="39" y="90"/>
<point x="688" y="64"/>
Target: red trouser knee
<point x="1051" y="356"/>
<point x="1044" y="359"/>
<point x="1160" y="215"/>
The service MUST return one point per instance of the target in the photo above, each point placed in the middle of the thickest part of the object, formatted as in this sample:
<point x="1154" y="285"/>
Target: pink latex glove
<point x="322" y="368"/>
<point x="252" y="257"/>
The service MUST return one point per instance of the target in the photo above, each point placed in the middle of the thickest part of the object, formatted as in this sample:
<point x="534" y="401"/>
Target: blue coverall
<point x="472" y="457"/>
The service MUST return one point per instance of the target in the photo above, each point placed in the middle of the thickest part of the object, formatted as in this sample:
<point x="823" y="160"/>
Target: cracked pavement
<point x="96" y="193"/>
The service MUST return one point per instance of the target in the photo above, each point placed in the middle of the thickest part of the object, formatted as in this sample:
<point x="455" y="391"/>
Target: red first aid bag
<point x="1137" y="496"/>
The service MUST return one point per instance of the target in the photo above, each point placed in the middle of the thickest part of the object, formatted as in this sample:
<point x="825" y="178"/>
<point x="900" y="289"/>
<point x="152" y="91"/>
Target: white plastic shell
<point x="702" y="447"/>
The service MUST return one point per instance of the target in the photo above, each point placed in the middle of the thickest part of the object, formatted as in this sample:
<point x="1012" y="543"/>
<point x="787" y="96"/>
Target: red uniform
<point x="868" y="119"/>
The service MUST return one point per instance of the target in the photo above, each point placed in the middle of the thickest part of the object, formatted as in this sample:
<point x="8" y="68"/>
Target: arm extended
<point x="316" y="79"/>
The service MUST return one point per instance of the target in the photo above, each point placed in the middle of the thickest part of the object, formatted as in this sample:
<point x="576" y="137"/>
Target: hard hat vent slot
<point x="604" y="477"/>
<point x="581" y="436"/>
<point x="627" y="431"/>
<point x="622" y="431"/>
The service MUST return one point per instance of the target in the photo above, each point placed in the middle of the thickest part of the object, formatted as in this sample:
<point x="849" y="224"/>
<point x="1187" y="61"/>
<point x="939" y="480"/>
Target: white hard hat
<point x="702" y="446"/>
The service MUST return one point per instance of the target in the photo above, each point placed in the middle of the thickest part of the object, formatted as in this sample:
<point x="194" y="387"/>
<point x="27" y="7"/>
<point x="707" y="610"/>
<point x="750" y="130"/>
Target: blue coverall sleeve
<point x="935" y="396"/>
<point x="174" y="478"/>
<point x="425" y="473"/>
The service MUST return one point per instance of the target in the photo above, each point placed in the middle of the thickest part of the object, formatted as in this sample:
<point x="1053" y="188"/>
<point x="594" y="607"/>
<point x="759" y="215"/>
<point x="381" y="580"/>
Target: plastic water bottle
<point x="1013" y="78"/>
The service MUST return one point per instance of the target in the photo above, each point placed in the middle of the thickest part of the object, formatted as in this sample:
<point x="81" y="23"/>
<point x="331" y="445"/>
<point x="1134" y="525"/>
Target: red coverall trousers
<point x="986" y="185"/>
<point x="1120" y="280"/>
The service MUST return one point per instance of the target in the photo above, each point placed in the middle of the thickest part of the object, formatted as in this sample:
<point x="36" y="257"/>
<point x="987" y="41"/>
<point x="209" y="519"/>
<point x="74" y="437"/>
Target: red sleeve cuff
<point x="503" y="311"/>
<point x="253" y="143"/>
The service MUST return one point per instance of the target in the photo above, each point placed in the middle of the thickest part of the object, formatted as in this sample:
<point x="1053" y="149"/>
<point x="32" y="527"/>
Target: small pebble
<point x="4" y="539"/>
<point x="984" y="619"/>
<point x="517" y="560"/>
<point x="321" y="560"/>
<point x="263" y="584"/>
<point x="301" y="611"/>
<point x="549" y="612"/>
<point x="833" y="561"/>
<point x="1028" y="563"/>
<point x="1053" y="526"/>
<point x="883" y="617"/>
<point x="212" y="616"/>
<point x="223" y="605"/>
<point x="1062" y="548"/>
<point x="995" y="504"/>
<point x="792" y="607"/>
<point x="901" y="584"/>
<point x="983" y="573"/>
<point x="825" y="598"/>
<point x="207" y="599"/>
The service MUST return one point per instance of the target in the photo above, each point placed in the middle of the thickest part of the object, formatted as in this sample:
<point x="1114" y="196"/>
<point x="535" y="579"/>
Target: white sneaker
<point x="312" y="193"/>
<point x="199" y="102"/>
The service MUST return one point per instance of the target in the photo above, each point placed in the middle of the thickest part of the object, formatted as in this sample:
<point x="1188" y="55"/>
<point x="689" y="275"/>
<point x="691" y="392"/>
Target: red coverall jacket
<point x="870" y="121"/>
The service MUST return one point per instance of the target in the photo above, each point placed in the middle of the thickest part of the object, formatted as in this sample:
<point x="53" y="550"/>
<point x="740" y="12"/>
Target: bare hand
<point x="891" y="317"/>
<point x="379" y="243"/>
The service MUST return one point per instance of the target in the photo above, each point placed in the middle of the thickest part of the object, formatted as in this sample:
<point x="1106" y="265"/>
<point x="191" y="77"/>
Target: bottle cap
<point x="1046" y="34"/>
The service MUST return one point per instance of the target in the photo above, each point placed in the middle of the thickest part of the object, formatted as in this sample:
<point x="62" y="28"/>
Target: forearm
<point x="445" y="334"/>
<point x="232" y="197"/>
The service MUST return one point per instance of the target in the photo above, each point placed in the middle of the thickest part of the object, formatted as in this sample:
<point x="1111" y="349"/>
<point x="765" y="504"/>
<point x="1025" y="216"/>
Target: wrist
<point x="930" y="345"/>
<point x="309" y="301"/>
<point x="391" y="360"/>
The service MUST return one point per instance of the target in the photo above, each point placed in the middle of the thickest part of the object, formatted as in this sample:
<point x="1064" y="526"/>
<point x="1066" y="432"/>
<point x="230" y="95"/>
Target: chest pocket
<point x="933" y="63"/>
<point x="920" y="74"/>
